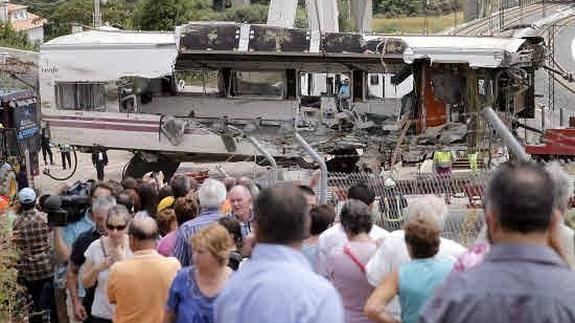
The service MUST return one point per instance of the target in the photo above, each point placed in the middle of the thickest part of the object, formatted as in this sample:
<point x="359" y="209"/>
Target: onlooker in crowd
<point x="82" y="302"/>
<point x="129" y="183"/>
<point x="309" y="195"/>
<point x="31" y="235"/>
<point x="560" y="238"/>
<point x="134" y="198"/>
<point x="125" y="199"/>
<point x="168" y="226"/>
<point x="195" y="288"/>
<point x="393" y="251"/>
<point x="165" y="192"/>
<point x="212" y="195"/>
<point x="508" y="286"/>
<point x="186" y="209"/>
<point x="116" y="186"/>
<point x="321" y="218"/>
<point x="564" y="235"/>
<point x="182" y="185"/>
<point x="165" y="203"/>
<point x="346" y="266"/>
<point x="416" y="281"/>
<point x="335" y="236"/>
<point x="278" y="282"/>
<point x="234" y="229"/>
<point x="100" y="161"/>
<point x="139" y="286"/>
<point x="147" y="195"/>
<point x="100" y="255"/>
<point x="64" y="237"/>
<point x="241" y="200"/>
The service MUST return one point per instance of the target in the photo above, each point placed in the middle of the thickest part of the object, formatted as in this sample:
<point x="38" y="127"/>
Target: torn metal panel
<point x="343" y="43"/>
<point x="202" y="36"/>
<point x="275" y="39"/>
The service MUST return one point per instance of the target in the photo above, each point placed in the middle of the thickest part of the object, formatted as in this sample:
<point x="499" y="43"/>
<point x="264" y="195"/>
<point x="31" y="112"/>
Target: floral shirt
<point x="472" y="257"/>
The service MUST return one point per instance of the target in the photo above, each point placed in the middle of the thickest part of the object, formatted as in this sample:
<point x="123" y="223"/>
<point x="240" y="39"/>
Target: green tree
<point x="156" y="14"/>
<point x="253" y="14"/>
<point x="195" y="10"/>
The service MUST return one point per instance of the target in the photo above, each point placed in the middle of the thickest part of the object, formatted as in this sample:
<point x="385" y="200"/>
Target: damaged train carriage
<point x="208" y="90"/>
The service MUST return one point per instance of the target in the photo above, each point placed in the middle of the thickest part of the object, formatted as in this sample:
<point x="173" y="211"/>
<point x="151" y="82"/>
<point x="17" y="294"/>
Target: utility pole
<point x="97" y="14"/>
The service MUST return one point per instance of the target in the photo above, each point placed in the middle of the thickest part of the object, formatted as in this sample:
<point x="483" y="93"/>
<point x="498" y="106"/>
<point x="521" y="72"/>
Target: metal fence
<point x="463" y="192"/>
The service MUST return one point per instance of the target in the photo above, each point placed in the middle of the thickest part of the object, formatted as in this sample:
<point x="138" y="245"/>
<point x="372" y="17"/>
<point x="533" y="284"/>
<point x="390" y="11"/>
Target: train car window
<point x="80" y="96"/>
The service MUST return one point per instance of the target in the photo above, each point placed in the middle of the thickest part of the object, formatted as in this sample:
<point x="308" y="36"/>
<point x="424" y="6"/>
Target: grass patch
<point x="415" y="25"/>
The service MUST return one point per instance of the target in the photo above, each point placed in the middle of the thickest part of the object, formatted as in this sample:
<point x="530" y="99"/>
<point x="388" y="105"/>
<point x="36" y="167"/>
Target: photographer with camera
<point x="31" y="235"/>
<point x="71" y="218"/>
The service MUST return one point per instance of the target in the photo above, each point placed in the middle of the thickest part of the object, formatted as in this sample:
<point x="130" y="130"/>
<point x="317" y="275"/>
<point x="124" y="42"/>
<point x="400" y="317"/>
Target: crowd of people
<point x="233" y="252"/>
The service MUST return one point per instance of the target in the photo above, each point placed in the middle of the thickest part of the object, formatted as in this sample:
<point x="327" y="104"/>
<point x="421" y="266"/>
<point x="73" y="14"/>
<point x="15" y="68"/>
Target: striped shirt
<point x="182" y="249"/>
<point x="32" y="237"/>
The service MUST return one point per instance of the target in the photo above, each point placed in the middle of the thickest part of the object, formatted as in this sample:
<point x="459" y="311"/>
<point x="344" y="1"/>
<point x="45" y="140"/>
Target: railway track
<point x="489" y="25"/>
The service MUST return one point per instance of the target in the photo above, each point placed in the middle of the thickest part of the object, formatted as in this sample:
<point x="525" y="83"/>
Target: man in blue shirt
<point x="344" y="95"/>
<point x="278" y="284"/>
<point x="521" y="279"/>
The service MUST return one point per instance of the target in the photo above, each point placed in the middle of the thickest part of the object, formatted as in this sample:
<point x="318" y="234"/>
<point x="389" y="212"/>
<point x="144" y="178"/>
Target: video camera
<point x="68" y="207"/>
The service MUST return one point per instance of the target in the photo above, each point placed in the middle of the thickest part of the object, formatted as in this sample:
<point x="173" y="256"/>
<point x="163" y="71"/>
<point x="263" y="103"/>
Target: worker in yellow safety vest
<point x="443" y="162"/>
<point x="443" y="165"/>
<point x="473" y="158"/>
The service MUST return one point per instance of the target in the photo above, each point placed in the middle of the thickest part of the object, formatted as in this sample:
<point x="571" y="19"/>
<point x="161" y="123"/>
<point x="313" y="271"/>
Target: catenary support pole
<point x="322" y="166"/>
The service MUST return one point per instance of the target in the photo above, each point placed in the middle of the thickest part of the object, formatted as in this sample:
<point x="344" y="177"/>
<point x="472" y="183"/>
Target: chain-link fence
<point x="462" y="191"/>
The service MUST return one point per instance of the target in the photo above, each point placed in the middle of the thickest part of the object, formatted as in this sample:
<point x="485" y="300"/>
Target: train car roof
<point x="208" y="44"/>
<point x="105" y="39"/>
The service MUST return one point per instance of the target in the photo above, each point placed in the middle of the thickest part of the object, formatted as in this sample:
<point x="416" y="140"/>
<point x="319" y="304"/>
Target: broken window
<point x="80" y="96"/>
<point x="269" y="84"/>
<point x="204" y="81"/>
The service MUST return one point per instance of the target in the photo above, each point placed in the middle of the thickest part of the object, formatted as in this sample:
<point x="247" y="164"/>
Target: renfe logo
<point x="47" y="68"/>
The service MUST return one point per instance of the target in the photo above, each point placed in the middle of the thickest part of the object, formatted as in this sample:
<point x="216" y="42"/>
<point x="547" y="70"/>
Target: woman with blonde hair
<point x="100" y="256"/>
<point x="195" y="288"/>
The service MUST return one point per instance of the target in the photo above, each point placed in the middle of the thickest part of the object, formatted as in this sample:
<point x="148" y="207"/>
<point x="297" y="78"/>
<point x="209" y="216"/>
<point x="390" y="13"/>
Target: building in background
<point x="22" y="20"/>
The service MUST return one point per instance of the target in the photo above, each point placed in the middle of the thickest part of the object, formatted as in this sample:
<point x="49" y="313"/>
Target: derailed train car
<point x="210" y="90"/>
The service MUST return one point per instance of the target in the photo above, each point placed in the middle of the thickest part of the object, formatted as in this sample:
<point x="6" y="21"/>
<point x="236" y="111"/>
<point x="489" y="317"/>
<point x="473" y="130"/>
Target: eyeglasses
<point x="117" y="227"/>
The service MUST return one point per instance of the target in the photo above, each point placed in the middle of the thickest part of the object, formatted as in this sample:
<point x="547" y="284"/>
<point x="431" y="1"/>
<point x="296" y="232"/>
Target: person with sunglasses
<point x="100" y="255"/>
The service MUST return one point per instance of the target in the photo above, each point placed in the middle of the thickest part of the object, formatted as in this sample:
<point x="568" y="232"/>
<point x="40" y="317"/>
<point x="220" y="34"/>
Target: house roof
<point x="33" y="21"/>
<point x="14" y="6"/>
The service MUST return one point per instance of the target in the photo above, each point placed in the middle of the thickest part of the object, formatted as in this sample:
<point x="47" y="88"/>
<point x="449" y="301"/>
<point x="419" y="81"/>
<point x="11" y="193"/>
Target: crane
<point x="322" y="14"/>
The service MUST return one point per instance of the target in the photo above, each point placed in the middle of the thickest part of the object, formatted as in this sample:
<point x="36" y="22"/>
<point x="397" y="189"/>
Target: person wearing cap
<point x="31" y="235"/>
<point x="165" y="203"/>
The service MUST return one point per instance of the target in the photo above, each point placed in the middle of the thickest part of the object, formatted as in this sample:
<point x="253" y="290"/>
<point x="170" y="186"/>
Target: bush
<point x="254" y="14"/>
<point x="12" y="308"/>
<point x="15" y="39"/>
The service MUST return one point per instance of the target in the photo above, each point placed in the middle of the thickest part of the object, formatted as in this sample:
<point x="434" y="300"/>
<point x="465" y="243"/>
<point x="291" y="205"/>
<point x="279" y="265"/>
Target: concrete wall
<point x="36" y="35"/>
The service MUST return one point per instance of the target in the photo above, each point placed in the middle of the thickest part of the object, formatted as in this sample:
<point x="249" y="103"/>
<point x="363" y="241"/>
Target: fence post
<point x="268" y="157"/>
<point x="504" y="133"/>
<point x="322" y="166"/>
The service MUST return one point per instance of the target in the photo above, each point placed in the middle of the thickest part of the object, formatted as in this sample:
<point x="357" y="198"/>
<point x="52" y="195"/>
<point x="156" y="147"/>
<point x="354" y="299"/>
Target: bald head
<point x="143" y="228"/>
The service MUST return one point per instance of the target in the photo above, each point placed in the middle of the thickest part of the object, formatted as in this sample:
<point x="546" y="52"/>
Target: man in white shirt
<point x="393" y="253"/>
<point x="335" y="236"/>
